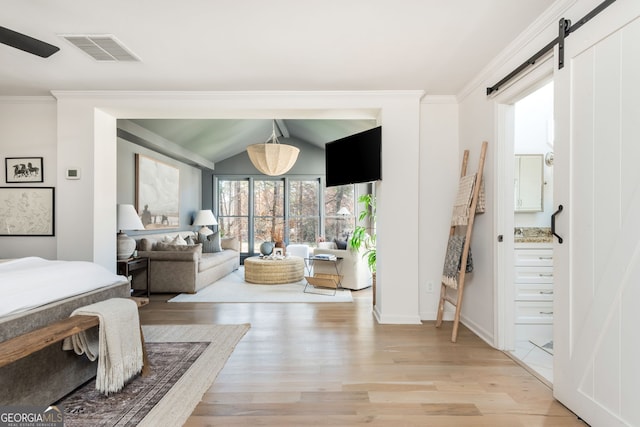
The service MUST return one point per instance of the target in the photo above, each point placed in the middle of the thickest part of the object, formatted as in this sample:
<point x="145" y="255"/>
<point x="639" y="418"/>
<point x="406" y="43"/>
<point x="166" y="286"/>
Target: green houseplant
<point x="365" y="236"/>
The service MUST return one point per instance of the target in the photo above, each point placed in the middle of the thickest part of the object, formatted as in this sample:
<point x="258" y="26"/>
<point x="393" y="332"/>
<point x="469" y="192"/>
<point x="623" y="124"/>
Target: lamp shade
<point x="205" y="217"/>
<point x="343" y="211"/>
<point x="273" y="159"/>
<point x="128" y="218"/>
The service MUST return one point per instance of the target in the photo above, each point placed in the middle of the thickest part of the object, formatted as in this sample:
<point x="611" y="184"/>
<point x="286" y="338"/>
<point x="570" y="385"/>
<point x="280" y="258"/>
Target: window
<point x="233" y="210"/>
<point x="295" y="210"/>
<point x="268" y="202"/>
<point x="304" y="211"/>
<point x="335" y="199"/>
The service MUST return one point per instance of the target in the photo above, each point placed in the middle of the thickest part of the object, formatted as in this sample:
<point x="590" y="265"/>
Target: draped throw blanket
<point x="117" y="344"/>
<point x="453" y="260"/>
<point x="462" y="204"/>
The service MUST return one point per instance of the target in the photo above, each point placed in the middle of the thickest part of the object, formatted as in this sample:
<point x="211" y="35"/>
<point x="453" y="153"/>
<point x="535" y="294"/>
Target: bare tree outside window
<point x="260" y="217"/>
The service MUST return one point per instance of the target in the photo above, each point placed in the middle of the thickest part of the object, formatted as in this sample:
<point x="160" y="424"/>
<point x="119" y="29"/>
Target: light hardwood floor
<point x="333" y="364"/>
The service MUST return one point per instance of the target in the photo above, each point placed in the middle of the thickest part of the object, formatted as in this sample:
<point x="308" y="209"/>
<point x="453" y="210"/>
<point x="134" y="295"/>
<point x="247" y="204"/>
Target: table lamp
<point x="205" y="217"/>
<point x="128" y="219"/>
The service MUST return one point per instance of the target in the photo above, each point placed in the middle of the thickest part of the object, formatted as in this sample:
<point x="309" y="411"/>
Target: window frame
<point x="251" y="217"/>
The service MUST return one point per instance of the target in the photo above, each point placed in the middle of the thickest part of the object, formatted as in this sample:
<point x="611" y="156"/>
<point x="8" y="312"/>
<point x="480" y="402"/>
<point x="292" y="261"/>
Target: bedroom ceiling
<point x="279" y="45"/>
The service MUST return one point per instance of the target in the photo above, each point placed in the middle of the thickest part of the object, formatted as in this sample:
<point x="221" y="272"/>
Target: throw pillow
<point x="189" y="240"/>
<point x="211" y="243"/>
<point x="340" y="244"/>
<point x="230" y="243"/>
<point x="178" y="240"/>
<point x="146" y="244"/>
<point x="161" y="246"/>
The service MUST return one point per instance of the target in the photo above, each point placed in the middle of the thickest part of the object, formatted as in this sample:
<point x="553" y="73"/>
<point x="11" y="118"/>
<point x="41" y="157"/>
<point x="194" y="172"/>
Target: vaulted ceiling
<point x="281" y="45"/>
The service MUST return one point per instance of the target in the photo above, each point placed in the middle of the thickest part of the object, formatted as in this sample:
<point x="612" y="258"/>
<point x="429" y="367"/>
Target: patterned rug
<point x="184" y="361"/>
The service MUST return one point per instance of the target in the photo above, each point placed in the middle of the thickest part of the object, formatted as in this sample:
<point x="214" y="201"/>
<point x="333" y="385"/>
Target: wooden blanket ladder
<point x="444" y="294"/>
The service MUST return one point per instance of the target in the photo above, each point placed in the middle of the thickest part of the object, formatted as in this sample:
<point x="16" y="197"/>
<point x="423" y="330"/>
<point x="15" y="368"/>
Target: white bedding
<point x="30" y="282"/>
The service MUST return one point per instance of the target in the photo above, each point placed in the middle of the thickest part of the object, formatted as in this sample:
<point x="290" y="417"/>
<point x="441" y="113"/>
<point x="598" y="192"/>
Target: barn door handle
<point x="553" y="223"/>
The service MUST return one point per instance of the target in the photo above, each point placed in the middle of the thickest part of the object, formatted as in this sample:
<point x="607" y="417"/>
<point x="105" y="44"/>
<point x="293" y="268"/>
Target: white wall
<point x="476" y="126"/>
<point x="28" y="128"/>
<point x="439" y="172"/>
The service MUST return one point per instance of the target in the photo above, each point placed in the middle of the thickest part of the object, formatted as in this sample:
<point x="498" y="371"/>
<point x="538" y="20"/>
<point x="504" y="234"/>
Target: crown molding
<point x="521" y="43"/>
<point x="116" y="94"/>
<point x="27" y="99"/>
<point x="439" y="99"/>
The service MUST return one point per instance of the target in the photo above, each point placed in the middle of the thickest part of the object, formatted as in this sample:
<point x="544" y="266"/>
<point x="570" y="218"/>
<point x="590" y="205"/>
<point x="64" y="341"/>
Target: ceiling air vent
<point x="102" y="47"/>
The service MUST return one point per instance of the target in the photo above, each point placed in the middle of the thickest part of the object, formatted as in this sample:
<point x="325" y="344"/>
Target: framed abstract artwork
<point x="23" y="169"/>
<point x="157" y="193"/>
<point x="27" y="211"/>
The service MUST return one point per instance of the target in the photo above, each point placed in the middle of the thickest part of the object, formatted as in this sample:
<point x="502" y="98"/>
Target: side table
<point x="319" y="280"/>
<point x="135" y="265"/>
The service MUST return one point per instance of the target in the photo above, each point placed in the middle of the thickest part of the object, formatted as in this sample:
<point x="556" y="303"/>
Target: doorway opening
<point x="533" y="246"/>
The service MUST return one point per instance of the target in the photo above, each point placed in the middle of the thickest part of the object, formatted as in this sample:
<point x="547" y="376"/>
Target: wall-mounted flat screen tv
<point x="354" y="159"/>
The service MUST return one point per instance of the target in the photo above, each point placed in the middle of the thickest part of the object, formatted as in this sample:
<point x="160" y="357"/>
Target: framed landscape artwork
<point x="23" y="169"/>
<point x="27" y="211"/>
<point x="157" y="193"/>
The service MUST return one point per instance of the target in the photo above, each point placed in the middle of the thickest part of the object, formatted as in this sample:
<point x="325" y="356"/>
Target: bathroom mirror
<point x="529" y="182"/>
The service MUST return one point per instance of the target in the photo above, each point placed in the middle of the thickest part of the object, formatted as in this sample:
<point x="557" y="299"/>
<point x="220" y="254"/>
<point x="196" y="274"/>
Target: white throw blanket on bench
<point x="117" y="345"/>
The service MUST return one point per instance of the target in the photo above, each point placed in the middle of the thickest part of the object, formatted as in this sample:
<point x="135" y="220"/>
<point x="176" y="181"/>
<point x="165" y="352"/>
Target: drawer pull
<point x="546" y="292"/>
<point x="545" y="274"/>
<point x="545" y="257"/>
<point x="546" y="312"/>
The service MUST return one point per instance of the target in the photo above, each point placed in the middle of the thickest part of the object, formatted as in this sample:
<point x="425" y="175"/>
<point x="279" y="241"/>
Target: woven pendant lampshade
<point x="272" y="158"/>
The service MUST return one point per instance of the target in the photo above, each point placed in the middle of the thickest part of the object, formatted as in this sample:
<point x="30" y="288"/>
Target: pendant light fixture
<point x="272" y="158"/>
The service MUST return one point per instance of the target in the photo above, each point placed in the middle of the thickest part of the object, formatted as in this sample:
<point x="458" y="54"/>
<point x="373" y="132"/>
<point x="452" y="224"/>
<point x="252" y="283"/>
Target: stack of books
<point x="328" y="257"/>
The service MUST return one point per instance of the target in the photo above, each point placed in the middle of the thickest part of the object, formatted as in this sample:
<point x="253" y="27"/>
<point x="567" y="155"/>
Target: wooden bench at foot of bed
<point x="23" y="345"/>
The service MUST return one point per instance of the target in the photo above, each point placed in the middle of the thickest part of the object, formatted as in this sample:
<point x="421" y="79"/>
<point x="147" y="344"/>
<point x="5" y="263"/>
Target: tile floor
<point x="536" y="358"/>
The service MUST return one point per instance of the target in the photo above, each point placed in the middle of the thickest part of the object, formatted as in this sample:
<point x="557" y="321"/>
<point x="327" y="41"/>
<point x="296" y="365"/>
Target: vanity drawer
<point x="534" y="257"/>
<point x="534" y="292"/>
<point x="538" y="312"/>
<point x="534" y="275"/>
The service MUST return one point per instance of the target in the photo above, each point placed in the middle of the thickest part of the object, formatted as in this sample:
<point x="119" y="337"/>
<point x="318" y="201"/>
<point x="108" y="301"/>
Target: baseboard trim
<point x="478" y="330"/>
<point x="427" y="316"/>
<point x="395" y="320"/>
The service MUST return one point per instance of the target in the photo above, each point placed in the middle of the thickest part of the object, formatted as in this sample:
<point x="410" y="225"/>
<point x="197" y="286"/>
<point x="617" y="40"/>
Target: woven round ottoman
<point x="265" y="271"/>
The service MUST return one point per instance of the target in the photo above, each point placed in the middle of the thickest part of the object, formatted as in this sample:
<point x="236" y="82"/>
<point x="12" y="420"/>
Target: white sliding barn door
<point x="597" y="180"/>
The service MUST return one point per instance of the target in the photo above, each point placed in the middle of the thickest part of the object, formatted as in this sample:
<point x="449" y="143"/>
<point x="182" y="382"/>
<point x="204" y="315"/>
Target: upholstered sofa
<point x="353" y="268"/>
<point x="185" y="268"/>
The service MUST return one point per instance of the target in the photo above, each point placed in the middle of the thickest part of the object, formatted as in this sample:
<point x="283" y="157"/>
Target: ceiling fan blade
<point x="26" y="43"/>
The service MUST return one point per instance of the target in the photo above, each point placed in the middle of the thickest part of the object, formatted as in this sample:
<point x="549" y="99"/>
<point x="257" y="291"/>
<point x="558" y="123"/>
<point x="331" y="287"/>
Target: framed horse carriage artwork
<point x="23" y="169"/>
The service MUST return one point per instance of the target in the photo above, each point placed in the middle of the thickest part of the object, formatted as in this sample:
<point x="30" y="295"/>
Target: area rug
<point x="233" y="288"/>
<point x="184" y="361"/>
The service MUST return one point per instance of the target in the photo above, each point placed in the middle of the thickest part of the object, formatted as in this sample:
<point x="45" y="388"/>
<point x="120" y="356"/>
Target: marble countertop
<point x="532" y="235"/>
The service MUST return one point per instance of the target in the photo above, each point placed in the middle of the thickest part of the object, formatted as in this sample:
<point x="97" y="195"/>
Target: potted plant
<point x="361" y="237"/>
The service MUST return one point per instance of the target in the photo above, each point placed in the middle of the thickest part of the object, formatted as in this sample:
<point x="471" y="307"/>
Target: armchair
<point x="353" y="268"/>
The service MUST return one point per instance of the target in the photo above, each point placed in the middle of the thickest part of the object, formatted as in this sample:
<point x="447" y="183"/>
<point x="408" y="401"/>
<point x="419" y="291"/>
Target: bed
<point x="36" y="292"/>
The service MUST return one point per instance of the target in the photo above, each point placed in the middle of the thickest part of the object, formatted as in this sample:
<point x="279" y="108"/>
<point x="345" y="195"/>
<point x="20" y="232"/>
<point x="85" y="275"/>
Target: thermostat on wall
<point x="73" y="173"/>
